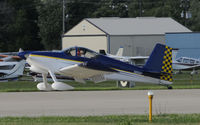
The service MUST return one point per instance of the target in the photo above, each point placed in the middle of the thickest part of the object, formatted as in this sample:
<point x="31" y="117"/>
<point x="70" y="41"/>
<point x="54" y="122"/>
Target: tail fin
<point x="160" y="61"/>
<point x="120" y="51"/>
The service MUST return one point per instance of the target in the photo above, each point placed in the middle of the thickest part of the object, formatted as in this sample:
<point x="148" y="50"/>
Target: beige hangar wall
<point x="92" y="42"/>
<point x="85" y="34"/>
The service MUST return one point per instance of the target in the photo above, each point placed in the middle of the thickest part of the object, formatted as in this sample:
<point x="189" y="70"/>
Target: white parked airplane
<point x="11" y="67"/>
<point x="181" y="63"/>
<point x="135" y="60"/>
<point x="83" y="64"/>
<point x="185" y="63"/>
<point x="11" y="70"/>
<point x="9" y="58"/>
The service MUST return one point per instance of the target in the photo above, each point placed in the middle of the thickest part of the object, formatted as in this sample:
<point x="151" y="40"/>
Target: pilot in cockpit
<point x="81" y="53"/>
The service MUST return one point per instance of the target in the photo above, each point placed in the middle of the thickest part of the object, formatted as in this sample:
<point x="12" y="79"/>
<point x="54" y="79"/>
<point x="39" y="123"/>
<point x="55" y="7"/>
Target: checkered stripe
<point x="167" y="65"/>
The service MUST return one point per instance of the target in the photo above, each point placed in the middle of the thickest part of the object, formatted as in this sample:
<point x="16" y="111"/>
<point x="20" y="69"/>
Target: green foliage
<point x="76" y="10"/>
<point x="18" y="86"/>
<point x="19" y="25"/>
<point x="112" y="8"/>
<point x="195" y="10"/>
<point x="155" y="8"/>
<point x="37" y="24"/>
<point x="50" y="23"/>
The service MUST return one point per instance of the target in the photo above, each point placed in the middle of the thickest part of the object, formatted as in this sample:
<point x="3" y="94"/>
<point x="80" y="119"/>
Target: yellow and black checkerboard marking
<point x="167" y="65"/>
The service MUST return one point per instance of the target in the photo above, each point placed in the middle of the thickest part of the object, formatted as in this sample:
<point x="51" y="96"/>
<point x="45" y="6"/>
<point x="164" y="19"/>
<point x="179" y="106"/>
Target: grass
<point x="181" y="81"/>
<point x="18" y="86"/>
<point x="165" y="119"/>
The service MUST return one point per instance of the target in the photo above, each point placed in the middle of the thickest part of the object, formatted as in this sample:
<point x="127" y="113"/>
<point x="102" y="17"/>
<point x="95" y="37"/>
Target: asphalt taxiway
<point x="87" y="103"/>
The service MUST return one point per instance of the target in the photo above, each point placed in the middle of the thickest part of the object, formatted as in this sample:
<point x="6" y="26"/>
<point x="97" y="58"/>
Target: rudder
<point x="166" y="73"/>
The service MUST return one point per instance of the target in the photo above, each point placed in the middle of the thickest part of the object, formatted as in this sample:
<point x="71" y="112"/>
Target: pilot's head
<point x="81" y="52"/>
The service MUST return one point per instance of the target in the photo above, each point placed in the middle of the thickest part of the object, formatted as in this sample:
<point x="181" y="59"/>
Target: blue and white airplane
<point x="83" y="64"/>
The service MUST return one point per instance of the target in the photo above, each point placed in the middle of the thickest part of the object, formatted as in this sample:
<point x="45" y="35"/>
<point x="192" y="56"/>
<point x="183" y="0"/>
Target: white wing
<point x="79" y="73"/>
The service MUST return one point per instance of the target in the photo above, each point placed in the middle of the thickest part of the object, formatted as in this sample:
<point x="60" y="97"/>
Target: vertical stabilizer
<point x="160" y="62"/>
<point x="120" y="51"/>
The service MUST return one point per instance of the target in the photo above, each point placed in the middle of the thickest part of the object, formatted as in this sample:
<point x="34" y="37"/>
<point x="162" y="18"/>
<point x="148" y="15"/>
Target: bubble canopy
<point x="80" y="51"/>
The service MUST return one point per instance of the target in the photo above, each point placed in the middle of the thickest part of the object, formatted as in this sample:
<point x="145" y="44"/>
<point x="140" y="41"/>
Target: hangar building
<point x="187" y="43"/>
<point x="137" y="36"/>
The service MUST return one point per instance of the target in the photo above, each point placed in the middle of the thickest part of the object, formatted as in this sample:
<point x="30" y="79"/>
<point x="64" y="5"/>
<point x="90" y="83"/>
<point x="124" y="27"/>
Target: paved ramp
<point x="84" y="103"/>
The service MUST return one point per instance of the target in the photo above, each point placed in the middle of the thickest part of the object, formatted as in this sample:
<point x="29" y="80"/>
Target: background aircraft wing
<point x="135" y="60"/>
<point x="80" y="73"/>
<point x="9" y="58"/>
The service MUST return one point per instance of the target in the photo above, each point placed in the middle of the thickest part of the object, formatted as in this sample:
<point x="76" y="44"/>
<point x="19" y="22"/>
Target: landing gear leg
<point x="59" y="85"/>
<point x="45" y="86"/>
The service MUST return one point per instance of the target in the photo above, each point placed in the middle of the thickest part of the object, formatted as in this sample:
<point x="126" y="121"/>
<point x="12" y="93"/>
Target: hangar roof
<point x="137" y="26"/>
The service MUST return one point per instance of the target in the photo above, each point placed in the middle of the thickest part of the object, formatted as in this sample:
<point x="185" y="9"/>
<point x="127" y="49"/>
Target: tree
<point x="77" y="10"/>
<point x="112" y="8"/>
<point x="195" y="10"/>
<point x="155" y="8"/>
<point x="135" y="8"/>
<point x="5" y="10"/>
<point x="37" y="24"/>
<point x="21" y="31"/>
<point x="50" y="23"/>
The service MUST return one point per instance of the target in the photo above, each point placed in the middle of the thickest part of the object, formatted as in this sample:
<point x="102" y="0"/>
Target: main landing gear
<point x="169" y="87"/>
<point x="45" y="86"/>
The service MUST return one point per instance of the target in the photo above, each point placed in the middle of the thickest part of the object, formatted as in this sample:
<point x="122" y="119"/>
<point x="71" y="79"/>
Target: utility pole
<point x="140" y="7"/>
<point x="185" y="14"/>
<point x="163" y="5"/>
<point x="63" y="23"/>
<point x="63" y="17"/>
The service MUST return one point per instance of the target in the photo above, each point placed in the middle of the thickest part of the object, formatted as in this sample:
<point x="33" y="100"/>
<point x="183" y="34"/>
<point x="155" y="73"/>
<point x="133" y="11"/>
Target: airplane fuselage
<point x="83" y="64"/>
<point x="42" y="62"/>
